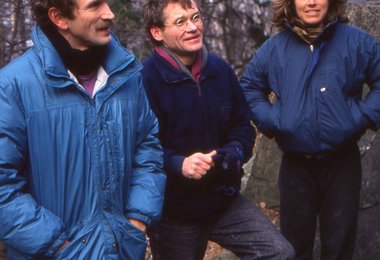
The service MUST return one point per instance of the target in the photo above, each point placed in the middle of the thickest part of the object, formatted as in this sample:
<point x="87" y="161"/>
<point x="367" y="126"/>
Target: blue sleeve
<point x="255" y="85"/>
<point x="242" y="134"/>
<point x="148" y="179"/>
<point x="370" y="107"/>
<point x="25" y="225"/>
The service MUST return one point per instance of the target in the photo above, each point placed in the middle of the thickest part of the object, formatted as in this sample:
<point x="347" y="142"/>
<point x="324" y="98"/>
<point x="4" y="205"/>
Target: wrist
<point x="63" y="246"/>
<point x="138" y="224"/>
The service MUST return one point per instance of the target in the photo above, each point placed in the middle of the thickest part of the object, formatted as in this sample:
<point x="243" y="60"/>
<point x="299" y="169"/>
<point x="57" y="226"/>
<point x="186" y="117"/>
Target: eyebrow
<point x="93" y="3"/>
<point x="183" y="16"/>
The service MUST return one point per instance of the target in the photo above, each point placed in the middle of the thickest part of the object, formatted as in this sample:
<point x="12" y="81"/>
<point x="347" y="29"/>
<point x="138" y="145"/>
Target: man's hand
<point x="138" y="224"/>
<point x="196" y="165"/>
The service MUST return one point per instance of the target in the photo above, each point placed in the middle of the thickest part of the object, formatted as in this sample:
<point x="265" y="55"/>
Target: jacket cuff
<point x="57" y="243"/>
<point x="238" y="147"/>
<point x="135" y="215"/>
<point x="175" y="164"/>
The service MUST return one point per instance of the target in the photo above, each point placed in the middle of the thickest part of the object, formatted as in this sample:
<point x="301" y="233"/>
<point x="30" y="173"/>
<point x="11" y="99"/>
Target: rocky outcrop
<point x="368" y="234"/>
<point x="262" y="185"/>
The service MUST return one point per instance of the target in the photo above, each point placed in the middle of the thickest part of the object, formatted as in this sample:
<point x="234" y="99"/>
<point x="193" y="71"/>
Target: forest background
<point x="234" y="29"/>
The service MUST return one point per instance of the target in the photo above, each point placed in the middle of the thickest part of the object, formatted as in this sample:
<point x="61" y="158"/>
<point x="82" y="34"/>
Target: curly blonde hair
<point x="284" y="12"/>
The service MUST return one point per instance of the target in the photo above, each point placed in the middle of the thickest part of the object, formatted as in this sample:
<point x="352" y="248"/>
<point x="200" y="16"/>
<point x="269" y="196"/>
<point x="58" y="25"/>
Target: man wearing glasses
<point x="206" y="135"/>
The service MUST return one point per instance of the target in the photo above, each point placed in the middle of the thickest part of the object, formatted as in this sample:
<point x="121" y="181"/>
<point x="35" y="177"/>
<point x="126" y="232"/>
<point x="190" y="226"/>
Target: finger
<point x="200" y="171"/>
<point x="202" y="166"/>
<point x="207" y="158"/>
<point x="212" y="153"/>
<point x="196" y="176"/>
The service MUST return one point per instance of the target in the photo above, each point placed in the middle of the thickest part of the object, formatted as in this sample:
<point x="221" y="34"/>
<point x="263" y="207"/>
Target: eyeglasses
<point x="182" y="23"/>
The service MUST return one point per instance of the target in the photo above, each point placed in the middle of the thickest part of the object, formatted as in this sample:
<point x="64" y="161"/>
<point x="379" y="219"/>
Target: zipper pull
<point x="311" y="48"/>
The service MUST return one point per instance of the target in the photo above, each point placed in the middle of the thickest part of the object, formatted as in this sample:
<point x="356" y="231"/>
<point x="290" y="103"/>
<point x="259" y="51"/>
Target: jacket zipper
<point x="198" y="85"/>
<point x="311" y="48"/>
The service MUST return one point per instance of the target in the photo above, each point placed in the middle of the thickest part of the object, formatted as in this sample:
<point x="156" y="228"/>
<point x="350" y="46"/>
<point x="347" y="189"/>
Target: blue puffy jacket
<point x="72" y="167"/>
<point x="318" y="88"/>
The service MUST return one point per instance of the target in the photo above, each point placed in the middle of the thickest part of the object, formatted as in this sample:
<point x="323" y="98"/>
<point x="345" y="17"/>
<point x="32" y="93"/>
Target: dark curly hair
<point x="284" y="12"/>
<point x="41" y="7"/>
<point x="153" y="13"/>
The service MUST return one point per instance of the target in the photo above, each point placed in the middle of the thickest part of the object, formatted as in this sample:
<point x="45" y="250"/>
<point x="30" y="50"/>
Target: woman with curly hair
<point x="316" y="66"/>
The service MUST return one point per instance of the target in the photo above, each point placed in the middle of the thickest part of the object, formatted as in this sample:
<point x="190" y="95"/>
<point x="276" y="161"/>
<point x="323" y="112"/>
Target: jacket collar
<point x="172" y="74"/>
<point x="117" y="59"/>
<point x="325" y="33"/>
<point x="196" y="68"/>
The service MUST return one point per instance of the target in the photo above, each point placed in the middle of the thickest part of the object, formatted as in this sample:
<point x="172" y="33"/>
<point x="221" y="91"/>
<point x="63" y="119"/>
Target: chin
<point x="195" y="47"/>
<point x="105" y="41"/>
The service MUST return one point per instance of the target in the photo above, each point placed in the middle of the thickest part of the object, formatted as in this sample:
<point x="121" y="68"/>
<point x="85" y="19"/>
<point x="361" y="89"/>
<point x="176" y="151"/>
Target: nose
<point x="107" y="13"/>
<point x="311" y="2"/>
<point x="191" y="26"/>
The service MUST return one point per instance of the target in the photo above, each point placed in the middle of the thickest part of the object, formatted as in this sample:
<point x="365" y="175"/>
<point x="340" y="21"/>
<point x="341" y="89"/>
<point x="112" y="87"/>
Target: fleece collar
<point x="196" y="67"/>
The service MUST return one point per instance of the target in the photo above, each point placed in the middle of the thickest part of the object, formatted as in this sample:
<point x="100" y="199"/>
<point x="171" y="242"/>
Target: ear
<point x="57" y="18"/>
<point x="156" y="33"/>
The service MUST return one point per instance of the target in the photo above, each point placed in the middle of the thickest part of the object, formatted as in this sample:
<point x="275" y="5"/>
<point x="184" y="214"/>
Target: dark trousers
<point x="242" y="229"/>
<point x="326" y="188"/>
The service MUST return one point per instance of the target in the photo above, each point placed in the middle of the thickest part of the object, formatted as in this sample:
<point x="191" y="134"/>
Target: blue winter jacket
<point x="197" y="117"/>
<point x="318" y="103"/>
<point x="72" y="167"/>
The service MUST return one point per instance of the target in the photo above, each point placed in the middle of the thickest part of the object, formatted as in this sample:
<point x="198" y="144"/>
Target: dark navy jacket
<point x="197" y="117"/>
<point x="318" y="88"/>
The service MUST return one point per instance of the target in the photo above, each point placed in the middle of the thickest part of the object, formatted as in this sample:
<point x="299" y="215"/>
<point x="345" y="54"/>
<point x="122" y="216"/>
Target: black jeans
<point x="327" y="188"/>
<point x="242" y="229"/>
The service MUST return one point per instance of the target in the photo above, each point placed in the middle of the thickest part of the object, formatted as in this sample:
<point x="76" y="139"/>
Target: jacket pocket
<point x="336" y="119"/>
<point x="132" y="241"/>
<point x="79" y="235"/>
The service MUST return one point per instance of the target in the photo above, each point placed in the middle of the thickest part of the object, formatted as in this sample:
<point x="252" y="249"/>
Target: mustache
<point x="104" y="24"/>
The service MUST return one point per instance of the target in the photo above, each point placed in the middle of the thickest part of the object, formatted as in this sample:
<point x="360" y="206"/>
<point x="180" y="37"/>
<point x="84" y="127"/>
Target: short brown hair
<point x="41" y="7"/>
<point x="284" y="12"/>
<point x="153" y="13"/>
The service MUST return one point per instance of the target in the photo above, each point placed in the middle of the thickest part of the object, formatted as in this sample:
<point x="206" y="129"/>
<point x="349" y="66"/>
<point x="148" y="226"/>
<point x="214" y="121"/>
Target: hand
<point x="61" y="247"/>
<point x="138" y="224"/>
<point x="196" y="165"/>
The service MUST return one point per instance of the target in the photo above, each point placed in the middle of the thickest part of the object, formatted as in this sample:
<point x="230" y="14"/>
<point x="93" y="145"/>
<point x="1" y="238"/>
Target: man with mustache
<point x="316" y="67"/>
<point x="80" y="163"/>
<point x="206" y="135"/>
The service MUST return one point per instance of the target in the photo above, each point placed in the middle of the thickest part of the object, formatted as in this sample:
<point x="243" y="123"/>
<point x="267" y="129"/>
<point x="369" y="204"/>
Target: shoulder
<point x="349" y="29"/>
<point x="278" y="38"/>
<point x="355" y="39"/>
<point x="25" y="63"/>
<point x="276" y="45"/>
<point x="215" y="62"/>
<point x="350" y="32"/>
<point x="153" y="67"/>
<point x="154" y="72"/>
<point x="150" y="60"/>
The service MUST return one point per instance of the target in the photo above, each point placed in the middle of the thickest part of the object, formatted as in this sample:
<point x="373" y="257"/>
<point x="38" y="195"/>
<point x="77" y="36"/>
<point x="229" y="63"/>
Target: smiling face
<point x="89" y="27"/>
<point x="182" y="32"/>
<point x="312" y="12"/>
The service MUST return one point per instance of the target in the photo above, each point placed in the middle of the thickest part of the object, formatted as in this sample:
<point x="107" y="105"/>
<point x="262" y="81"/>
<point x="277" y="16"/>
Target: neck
<point x="187" y="60"/>
<point x="79" y="62"/>
<point x="69" y="39"/>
